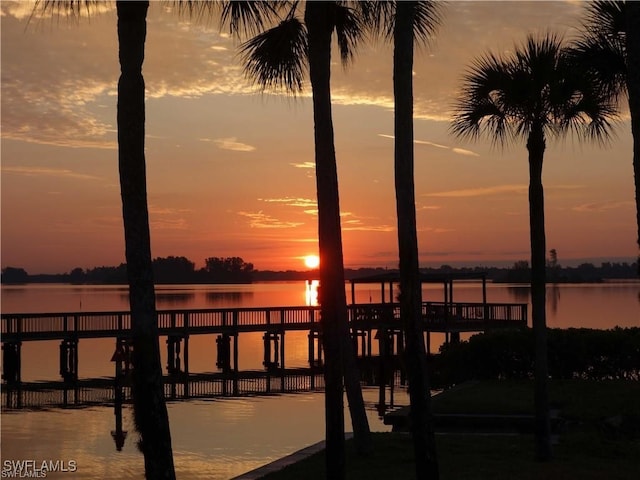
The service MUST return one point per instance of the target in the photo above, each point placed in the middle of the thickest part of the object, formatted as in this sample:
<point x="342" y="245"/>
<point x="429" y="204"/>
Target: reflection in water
<point x="520" y="293"/>
<point x="553" y="297"/>
<point x="227" y="298"/>
<point x="311" y="292"/>
<point x="174" y="299"/>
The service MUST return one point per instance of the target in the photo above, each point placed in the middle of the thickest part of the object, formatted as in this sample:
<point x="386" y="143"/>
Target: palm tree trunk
<point x="536" y="147"/>
<point x="332" y="296"/>
<point x="150" y="412"/>
<point x="633" y="88"/>
<point x="410" y="283"/>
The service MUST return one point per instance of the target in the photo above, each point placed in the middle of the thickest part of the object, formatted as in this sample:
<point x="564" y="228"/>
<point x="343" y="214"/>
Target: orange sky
<point x="230" y="170"/>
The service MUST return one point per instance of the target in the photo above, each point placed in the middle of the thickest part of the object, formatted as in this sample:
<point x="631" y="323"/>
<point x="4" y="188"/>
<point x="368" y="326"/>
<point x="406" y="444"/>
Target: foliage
<point x="575" y="353"/>
<point x="228" y="270"/>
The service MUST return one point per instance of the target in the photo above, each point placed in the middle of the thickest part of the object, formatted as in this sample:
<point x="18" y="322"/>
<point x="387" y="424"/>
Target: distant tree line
<point x="170" y="270"/>
<point x="165" y="269"/>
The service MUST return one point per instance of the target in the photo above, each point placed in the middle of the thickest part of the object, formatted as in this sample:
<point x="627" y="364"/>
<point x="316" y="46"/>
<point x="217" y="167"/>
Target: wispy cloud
<point x="462" y="151"/>
<point x="351" y="222"/>
<point x="48" y="172"/>
<point x="459" y="151"/>
<point x="304" y="165"/>
<point x="263" y="220"/>
<point x="437" y="229"/>
<point x="291" y="201"/>
<point x="231" y="143"/>
<point x="602" y="206"/>
<point x="481" y="192"/>
<point x="168" y="218"/>
<point x="519" y="189"/>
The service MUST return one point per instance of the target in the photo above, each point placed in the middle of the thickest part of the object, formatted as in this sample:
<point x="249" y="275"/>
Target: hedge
<point x="509" y="354"/>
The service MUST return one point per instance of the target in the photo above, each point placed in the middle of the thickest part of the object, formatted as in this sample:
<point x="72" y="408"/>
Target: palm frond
<point x="379" y="18"/>
<point x="70" y="9"/>
<point x="483" y="106"/>
<point x="277" y="58"/>
<point x="606" y="17"/>
<point x="539" y="85"/>
<point x="604" y="58"/>
<point x="428" y="16"/>
<point x="349" y="31"/>
<point x="240" y="17"/>
<point x="249" y="16"/>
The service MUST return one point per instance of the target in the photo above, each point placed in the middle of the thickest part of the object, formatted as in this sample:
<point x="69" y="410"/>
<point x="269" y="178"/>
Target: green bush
<point x="509" y="354"/>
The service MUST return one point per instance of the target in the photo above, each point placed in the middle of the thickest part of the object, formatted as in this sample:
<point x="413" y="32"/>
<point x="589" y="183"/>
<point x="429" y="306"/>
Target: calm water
<point x="218" y="439"/>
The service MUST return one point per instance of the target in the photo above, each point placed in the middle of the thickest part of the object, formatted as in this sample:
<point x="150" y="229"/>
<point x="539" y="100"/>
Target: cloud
<point x="352" y="223"/>
<point x="48" y="172"/>
<point x="304" y="165"/>
<point x="459" y="151"/>
<point x="232" y="144"/>
<point x="263" y="220"/>
<point x="481" y="192"/>
<point x="437" y="229"/>
<point x="291" y="202"/>
<point x="603" y="206"/>
<point x="498" y="190"/>
<point x="462" y="151"/>
<point x="168" y="218"/>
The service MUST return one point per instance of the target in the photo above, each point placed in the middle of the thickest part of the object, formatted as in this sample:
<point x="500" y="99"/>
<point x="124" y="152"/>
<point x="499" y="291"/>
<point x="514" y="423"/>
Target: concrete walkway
<point x="285" y="461"/>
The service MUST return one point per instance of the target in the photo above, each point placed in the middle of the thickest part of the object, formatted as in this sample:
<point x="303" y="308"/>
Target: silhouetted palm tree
<point x="278" y="58"/>
<point x="536" y="92"/>
<point x="610" y="48"/>
<point x="406" y="22"/>
<point x="150" y="412"/>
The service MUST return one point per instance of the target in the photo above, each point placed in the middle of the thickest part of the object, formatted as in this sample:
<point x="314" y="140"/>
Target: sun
<point x="311" y="261"/>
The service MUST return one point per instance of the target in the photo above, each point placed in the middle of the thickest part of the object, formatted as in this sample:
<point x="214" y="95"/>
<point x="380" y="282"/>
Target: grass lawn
<point x="586" y="450"/>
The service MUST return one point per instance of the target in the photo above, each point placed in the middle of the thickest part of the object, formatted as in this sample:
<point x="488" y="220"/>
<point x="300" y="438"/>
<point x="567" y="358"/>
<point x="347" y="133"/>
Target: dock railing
<point x="437" y="316"/>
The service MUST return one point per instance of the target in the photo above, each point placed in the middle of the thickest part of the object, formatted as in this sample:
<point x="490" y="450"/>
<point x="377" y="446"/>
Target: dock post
<point x="223" y="343"/>
<point x="271" y="356"/>
<point x="382" y="334"/>
<point x="69" y="360"/>
<point x="186" y="366"/>
<point x="173" y="354"/>
<point x="311" y="348"/>
<point x="11" y="363"/>
<point x="282" y="377"/>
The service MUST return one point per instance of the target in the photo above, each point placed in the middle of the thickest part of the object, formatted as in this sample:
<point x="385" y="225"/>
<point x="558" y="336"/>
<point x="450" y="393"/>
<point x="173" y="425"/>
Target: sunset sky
<point x="231" y="170"/>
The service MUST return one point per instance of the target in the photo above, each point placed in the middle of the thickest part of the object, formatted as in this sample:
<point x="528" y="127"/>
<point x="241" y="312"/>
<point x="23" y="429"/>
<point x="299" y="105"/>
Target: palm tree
<point x="407" y="22"/>
<point x="535" y="93"/>
<point x="150" y="412"/>
<point x="610" y="47"/>
<point x="278" y="58"/>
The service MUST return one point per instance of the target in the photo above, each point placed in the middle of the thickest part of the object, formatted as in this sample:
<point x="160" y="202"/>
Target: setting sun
<point x="312" y="261"/>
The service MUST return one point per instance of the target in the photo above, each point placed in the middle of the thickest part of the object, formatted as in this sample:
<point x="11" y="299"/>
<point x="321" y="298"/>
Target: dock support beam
<point x="315" y="348"/>
<point x="173" y="354"/>
<point x="11" y="363"/>
<point x="223" y="361"/>
<point x="69" y="360"/>
<point x="271" y="355"/>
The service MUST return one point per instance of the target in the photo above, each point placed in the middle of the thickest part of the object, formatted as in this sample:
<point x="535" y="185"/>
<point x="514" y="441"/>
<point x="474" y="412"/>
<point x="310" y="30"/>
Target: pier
<point x="375" y="328"/>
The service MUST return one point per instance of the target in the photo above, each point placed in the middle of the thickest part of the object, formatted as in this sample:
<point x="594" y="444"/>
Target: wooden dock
<point x="368" y="322"/>
<point x="437" y="317"/>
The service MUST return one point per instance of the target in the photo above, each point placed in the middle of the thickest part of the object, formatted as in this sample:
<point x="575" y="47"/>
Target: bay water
<point x="222" y="438"/>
